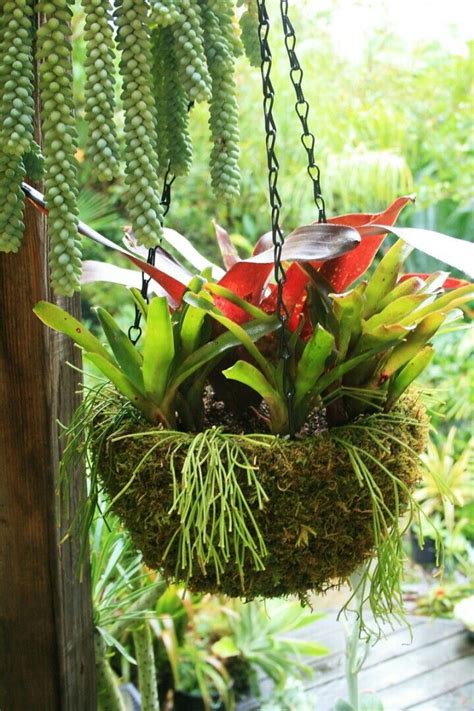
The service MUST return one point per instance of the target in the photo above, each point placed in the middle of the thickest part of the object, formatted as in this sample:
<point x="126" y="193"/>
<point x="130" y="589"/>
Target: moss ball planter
<point x="313" y="509"/>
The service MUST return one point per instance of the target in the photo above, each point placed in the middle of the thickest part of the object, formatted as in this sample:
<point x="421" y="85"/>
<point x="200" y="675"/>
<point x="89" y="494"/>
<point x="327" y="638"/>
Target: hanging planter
<point x="251" y="515"/>
<point x="209" y="483"/>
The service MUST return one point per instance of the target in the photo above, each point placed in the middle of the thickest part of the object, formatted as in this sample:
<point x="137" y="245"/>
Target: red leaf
<point x="247" y="281"/>
<point x="344" y="270"/>
<point x="171" y="285"/>
<point x="294" y="294"/>
<point x="265" y="242"/>
<point x="229" y="254"/>
<point x="449" y="283"/>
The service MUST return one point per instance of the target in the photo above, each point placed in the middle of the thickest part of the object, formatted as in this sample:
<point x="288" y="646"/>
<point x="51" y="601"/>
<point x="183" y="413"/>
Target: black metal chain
<point x="302" y="109"/>
<point x="275" y="203"/>
<point x="135" y="330"/>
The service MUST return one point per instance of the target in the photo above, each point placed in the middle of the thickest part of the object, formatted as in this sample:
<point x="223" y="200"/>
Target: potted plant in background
<point x="443" y="492"/>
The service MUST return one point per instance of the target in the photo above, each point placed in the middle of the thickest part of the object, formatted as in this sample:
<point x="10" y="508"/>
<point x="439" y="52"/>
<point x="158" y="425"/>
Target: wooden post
<point x="46" y="639"/>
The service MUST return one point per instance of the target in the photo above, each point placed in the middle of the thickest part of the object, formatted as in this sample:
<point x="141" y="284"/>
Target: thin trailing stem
<point x="216" y="521"/>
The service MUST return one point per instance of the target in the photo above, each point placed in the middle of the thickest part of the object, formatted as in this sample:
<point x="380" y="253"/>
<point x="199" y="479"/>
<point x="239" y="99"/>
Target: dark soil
<point x="253" y="419"/>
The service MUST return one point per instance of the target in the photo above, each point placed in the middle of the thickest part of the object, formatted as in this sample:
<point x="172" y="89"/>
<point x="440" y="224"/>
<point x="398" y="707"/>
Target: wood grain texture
<point x="46" y="646"/>
<point x="431" y="671"/>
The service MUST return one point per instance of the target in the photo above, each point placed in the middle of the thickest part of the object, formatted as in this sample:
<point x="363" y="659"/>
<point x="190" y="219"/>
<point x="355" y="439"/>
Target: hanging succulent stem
<point x="174" y="142"/>
<point x="16" y="116"/>
<point x="60" y="143"/>
<point x="143" y="195"/>
<point x="224" y="112"/>
<point x="102" y="146"/>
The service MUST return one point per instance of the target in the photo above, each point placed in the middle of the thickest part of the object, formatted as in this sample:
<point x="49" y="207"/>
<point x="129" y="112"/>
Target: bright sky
<point x="450" y="22"/>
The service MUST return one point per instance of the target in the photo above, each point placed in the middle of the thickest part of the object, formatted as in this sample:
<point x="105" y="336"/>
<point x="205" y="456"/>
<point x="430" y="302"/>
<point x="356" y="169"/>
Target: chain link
<point x="302" y="108"/>
<point x="275" y="202"/>
<point x="135" y="331"/>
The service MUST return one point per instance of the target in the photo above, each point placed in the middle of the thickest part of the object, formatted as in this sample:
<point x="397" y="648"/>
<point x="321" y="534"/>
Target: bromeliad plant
<point x="353" y="350"/>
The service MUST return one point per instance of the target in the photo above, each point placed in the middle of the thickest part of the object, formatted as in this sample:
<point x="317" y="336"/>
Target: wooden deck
<point x="433" y="672"/>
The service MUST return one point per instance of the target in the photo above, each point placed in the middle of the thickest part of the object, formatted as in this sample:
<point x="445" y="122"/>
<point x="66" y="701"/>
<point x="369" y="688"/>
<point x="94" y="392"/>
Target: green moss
<point x="318" y="522"/>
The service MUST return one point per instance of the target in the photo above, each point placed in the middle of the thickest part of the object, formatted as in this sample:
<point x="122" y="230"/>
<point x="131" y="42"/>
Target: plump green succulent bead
<point x="189" y="48"/>
<point x="12" y="203"/>
<point x="102" y="147"/>
<point x="159" y="98"/>
<point x="16" y="76"/>
<point x="223" y="113"/>
<point x="174" y="141"/>
<point x="60" y="144"/>
<point x="225" y="13"/>
<point x="249" y="34"/>
<point x="163" y="13"/>
<point x="143" y="197"/>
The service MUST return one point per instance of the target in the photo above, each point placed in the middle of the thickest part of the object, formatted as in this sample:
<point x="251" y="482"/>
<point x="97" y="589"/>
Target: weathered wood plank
<point x="449" y="677"/>
<point x="382" y="677"/>
<point x="461" y="699"/>
<point x="46" y="643"/>
<point x="392" y="660"/>
<point x="396" y="644"/>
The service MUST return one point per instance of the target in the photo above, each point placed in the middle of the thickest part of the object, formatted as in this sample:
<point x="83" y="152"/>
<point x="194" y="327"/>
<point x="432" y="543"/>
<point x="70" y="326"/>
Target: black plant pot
<point x="425" y="556"/>
<point x="193" y="702"/>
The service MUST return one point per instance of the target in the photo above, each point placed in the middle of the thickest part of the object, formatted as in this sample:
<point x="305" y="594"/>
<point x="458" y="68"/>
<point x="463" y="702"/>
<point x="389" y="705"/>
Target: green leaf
<point x="414" y="343"/>
<point x="370" y="702"/>
<point x="122" y="383"/>
<point x="408" y="374"/>
<point x="306" y="648"/>
<point x="312" y="362"/>
<point x="394" y="312"/>
<point x="340" y="370"/>
<point x="347" y="309"/>
<point x="58" y="319"/>
<point x="404" y="288"/>
<point x="386" y="336"/>
<point x="248" y="374"/>
<point x="190" y="331"/>
<point x="342" y="705"/>
<point x="127" y="356"/>
<point x="385" y="276"/>
<point x="225" y="647"/>
<point x="252" y="310"/>
<point x="158" y="348"/>
<point x="239" y="331"/>
<point x="112" y="641"/>
<point x="451" y="299"/>
<point x="140" y="301"/>
<point x="254" y="331"/>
